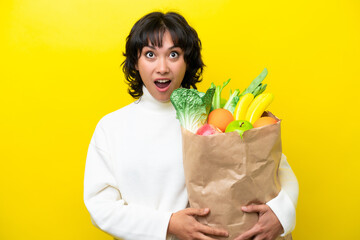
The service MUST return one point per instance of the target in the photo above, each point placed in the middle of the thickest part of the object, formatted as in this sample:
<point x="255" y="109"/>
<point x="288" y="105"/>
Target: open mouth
<point x="162" y="83"/>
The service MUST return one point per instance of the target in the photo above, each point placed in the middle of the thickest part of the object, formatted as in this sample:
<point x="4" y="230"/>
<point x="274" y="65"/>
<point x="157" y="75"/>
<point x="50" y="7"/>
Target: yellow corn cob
<point x="242" y="106"/>
<point x="258" y="106"/>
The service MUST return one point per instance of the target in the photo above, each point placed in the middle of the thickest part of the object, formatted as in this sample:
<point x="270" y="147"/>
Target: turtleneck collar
<point x="150" y="103"/>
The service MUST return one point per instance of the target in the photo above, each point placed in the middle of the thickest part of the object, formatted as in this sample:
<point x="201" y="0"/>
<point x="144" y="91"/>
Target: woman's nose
<point x="162" y="66"/>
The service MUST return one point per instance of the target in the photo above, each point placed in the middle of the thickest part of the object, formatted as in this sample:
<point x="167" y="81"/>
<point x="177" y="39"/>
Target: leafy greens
<point x="192" y="107"/>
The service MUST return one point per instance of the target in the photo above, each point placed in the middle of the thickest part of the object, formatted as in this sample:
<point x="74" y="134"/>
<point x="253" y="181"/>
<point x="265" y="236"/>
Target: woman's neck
<point x="151" y="104"/>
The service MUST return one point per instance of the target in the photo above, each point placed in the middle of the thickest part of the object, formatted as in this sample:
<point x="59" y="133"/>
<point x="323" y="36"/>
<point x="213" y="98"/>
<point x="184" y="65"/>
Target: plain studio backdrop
<point x="60" y="73"/>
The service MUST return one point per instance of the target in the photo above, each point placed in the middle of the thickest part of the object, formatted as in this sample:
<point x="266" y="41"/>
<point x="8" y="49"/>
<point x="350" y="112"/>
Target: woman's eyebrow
<point x="175" y="46"/>
<point x="152" y="47"/>
<point x="170" y="48"/>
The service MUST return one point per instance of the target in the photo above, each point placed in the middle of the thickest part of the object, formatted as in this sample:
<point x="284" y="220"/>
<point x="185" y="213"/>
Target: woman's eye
<point x="149" y="54"/>
<point x="174" y="55"/>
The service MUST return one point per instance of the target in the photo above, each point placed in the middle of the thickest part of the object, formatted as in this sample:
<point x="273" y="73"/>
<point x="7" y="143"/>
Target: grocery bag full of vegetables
<point x="225" y="170"/>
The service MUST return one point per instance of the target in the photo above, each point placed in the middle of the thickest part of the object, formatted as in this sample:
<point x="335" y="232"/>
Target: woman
<point x="134" y="185"/>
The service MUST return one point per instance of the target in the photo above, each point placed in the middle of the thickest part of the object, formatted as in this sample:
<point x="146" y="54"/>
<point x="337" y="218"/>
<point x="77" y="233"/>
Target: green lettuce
<point x="192" y="107"/>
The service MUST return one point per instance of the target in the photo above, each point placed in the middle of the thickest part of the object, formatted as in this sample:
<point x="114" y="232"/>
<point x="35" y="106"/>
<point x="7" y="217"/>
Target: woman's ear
<point x="136" y="67"/>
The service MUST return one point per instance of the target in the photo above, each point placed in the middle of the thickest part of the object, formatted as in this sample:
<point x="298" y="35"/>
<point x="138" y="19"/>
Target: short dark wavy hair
<point x="151" y="28"/>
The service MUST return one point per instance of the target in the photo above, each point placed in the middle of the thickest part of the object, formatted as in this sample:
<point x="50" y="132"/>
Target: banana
<point x="253" y="105"/>
<point x="258" y="106"/>
<point x="242" y="106"/>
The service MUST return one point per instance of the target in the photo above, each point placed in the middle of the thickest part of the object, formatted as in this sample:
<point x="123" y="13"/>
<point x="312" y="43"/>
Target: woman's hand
<point x="268" y="226"/>
<point x="184" y="225"/>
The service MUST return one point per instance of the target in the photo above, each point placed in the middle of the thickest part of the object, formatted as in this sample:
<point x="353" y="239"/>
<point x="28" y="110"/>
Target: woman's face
<point x="162" y="69"/>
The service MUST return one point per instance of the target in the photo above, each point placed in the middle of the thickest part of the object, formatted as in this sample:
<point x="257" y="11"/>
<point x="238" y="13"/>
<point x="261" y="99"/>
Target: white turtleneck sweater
<point x="134" y="176"/>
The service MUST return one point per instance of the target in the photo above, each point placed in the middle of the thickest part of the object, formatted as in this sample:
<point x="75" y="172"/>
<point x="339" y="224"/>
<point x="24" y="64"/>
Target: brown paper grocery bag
<point x="225" y="172"/>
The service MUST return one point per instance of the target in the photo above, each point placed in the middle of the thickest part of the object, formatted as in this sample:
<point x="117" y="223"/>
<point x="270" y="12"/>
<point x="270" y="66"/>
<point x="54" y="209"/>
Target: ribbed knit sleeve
<point x="284" y="204"/>
<point x="102" y="197"/>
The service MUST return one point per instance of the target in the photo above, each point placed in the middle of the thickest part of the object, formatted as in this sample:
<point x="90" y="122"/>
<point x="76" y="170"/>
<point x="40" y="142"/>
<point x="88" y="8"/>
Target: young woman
<point x="134" y="185"/>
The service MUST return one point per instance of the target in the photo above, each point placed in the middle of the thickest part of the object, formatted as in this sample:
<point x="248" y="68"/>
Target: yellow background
<point x="60" y="73"/>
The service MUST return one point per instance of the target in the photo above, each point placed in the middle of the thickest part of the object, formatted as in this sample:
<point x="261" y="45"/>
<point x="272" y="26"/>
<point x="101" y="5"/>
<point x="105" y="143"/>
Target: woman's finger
<point x="197" y="211"/>
<point x="254" y="208"/>
<point x="213" y="231"/>
<point x="250" y="233"/>
<point x="259" y="237"/>
<point x="202" y="236"/>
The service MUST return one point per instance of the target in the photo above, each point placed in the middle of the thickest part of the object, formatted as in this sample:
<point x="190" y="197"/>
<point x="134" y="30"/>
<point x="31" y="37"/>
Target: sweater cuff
<point x="165" y="222"/>
<point x="284" y="209"/>
<point x="156" y="228"/>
